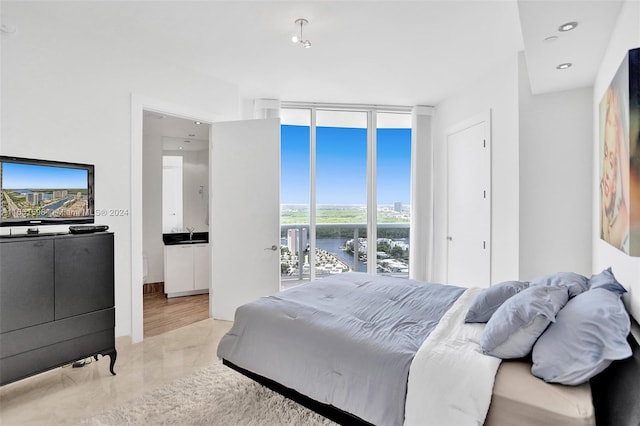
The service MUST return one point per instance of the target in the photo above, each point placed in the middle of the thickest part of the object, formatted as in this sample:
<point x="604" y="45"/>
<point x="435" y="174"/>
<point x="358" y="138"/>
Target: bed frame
<point x="326" y="410"/>
<point x="615" y="391"/>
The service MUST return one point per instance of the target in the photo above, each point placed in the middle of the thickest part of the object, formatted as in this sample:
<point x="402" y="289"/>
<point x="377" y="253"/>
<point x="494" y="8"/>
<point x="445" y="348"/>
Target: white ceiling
<point x="375" y="52"/>
<point x="583" y="47"/>
<point x="175" y="133"/>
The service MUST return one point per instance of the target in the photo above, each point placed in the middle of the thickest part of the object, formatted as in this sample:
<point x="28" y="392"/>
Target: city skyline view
<point x="38" y="191"/>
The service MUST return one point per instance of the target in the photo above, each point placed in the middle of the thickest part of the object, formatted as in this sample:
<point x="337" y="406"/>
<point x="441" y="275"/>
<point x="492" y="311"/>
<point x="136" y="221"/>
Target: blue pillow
<point x="490" y="299"/>
<point x="575" y="283"/>
<point x="606" y="280"/>
<point x="589" y="333"/>
<point x="516" y="325"/>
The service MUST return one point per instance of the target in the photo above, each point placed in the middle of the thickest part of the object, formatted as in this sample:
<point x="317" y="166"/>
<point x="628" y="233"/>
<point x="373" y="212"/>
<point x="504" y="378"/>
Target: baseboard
<point x="151" y="288"/>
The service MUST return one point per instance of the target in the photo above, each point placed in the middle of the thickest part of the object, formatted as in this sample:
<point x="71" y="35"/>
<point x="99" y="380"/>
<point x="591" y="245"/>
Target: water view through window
<point x="340" y="188"/>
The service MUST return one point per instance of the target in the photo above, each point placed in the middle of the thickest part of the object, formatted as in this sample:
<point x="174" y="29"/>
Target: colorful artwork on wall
<point x="620" y="158"/>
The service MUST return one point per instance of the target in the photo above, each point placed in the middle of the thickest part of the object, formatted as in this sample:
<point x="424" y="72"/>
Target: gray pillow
<point x="516" y="325"/>
<point x="575" y="283"/>
<point x="606" y="280"/>
<point x="589" y="333"/>
<point x="490" y="299"/>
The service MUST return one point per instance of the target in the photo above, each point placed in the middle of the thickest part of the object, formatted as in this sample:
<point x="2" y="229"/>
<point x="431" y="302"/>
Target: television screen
<point x="41" y="192"/>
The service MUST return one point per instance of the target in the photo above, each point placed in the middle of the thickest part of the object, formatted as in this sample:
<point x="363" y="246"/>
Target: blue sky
<point x="27" y="176"/>
<point x="341" y="165"/>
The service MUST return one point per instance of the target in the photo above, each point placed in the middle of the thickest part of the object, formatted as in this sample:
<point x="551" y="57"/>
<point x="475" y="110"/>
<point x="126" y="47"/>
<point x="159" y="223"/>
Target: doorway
<point x="469" y="203"/>
<point x="175" y="202"/>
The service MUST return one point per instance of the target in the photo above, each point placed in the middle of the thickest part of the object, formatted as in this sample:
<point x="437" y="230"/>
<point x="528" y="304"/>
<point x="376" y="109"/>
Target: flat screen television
<point x="43" y="192"/>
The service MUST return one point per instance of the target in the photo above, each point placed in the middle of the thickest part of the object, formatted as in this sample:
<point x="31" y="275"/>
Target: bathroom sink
<point x="185" y="238"/>
<point x="192" y="242"/>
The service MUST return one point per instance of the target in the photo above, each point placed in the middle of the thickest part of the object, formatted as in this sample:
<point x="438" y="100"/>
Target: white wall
<point x="67" y="97"/>
<point x="555" y="175"/>
<point x="626" y="36"/>
<point x="498" y="92"/>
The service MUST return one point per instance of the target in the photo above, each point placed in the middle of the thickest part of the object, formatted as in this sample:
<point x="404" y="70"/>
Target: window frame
<point x="372" y="203"/>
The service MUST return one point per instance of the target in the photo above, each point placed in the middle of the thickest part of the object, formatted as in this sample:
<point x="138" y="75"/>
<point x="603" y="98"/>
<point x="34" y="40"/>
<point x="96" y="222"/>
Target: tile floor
<point x="65" y="396"/>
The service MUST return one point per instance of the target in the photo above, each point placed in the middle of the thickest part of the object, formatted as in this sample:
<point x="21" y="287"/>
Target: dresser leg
<point x="112" y="360"/>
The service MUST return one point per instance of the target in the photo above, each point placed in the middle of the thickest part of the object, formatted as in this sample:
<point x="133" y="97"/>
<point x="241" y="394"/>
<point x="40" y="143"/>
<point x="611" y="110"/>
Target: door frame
<point x="139" y="104"/>
<point x="484" y="117"/>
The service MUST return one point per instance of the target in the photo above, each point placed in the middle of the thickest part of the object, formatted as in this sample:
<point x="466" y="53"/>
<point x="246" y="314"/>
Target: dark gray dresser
<point x="56" y="302"/>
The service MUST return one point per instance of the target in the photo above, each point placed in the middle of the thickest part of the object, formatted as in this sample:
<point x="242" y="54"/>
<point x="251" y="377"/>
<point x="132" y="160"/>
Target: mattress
<point x="519" y="398"/>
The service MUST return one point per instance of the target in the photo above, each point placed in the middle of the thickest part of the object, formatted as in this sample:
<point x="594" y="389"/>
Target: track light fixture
<point x="298" y="38"/>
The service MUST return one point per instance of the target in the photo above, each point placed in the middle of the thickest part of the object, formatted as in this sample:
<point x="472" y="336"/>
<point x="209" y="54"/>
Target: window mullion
<point x="372" y="203"/>
<point x="312" y="196"/>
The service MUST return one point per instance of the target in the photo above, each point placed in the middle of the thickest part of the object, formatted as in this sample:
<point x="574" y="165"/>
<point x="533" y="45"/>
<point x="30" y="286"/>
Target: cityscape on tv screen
<point x="31" y="191"/>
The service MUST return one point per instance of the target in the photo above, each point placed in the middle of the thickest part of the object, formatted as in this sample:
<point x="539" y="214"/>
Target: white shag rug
<point x="216" y="395"/>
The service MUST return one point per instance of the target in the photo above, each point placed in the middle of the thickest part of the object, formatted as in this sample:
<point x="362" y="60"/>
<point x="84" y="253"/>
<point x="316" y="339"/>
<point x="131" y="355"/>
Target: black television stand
<point x="56" y="302"/>
<point x="34" y="235"/>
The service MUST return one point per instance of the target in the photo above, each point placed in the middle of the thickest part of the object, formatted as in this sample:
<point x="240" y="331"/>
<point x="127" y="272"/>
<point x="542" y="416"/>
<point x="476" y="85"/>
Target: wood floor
<point x="162" y="314"/>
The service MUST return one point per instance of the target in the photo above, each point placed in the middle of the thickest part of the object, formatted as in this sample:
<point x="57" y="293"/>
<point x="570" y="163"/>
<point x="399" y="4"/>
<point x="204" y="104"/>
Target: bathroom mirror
<point x="172" y="200"/>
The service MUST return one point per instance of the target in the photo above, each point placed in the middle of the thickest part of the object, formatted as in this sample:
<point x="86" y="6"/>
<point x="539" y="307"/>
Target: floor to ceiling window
<point x="341" y="192"/>
<point x="337" y="166"/>
<point x="295" y="162"/>
<point x="393" y="185"/>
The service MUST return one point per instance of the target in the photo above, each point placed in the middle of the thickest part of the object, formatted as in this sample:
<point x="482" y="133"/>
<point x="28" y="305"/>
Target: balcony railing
<point x="350" y="254"/>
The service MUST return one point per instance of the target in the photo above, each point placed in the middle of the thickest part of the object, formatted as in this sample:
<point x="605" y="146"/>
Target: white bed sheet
<point x="450" y="379"/>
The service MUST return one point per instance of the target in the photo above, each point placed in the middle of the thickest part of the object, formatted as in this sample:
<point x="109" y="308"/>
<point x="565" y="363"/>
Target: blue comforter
<point x="347" y="340"/>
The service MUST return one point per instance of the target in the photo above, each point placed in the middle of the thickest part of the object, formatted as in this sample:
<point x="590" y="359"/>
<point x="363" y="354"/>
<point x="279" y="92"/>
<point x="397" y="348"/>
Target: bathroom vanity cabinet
<point x="186" y="269"/>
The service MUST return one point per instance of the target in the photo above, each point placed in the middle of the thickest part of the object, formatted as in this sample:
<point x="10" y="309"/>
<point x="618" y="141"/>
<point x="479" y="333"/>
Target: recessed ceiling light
<point x="568" y="26"/>
<point x="550" y="39"/>
<point x="180" y="148"/>
<point x="564" y="66"/>
<point x="198" y="122"/>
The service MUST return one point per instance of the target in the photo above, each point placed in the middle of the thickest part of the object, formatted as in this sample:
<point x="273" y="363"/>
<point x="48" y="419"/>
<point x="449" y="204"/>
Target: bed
<point x="366" y="349"/>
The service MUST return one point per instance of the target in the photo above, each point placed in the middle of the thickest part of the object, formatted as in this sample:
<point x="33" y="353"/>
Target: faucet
<point x="190" y="232"/>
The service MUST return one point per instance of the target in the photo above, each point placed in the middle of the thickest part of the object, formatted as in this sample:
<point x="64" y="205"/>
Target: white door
<point x="469" y="206"/>
<point x="245" y="213"/>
